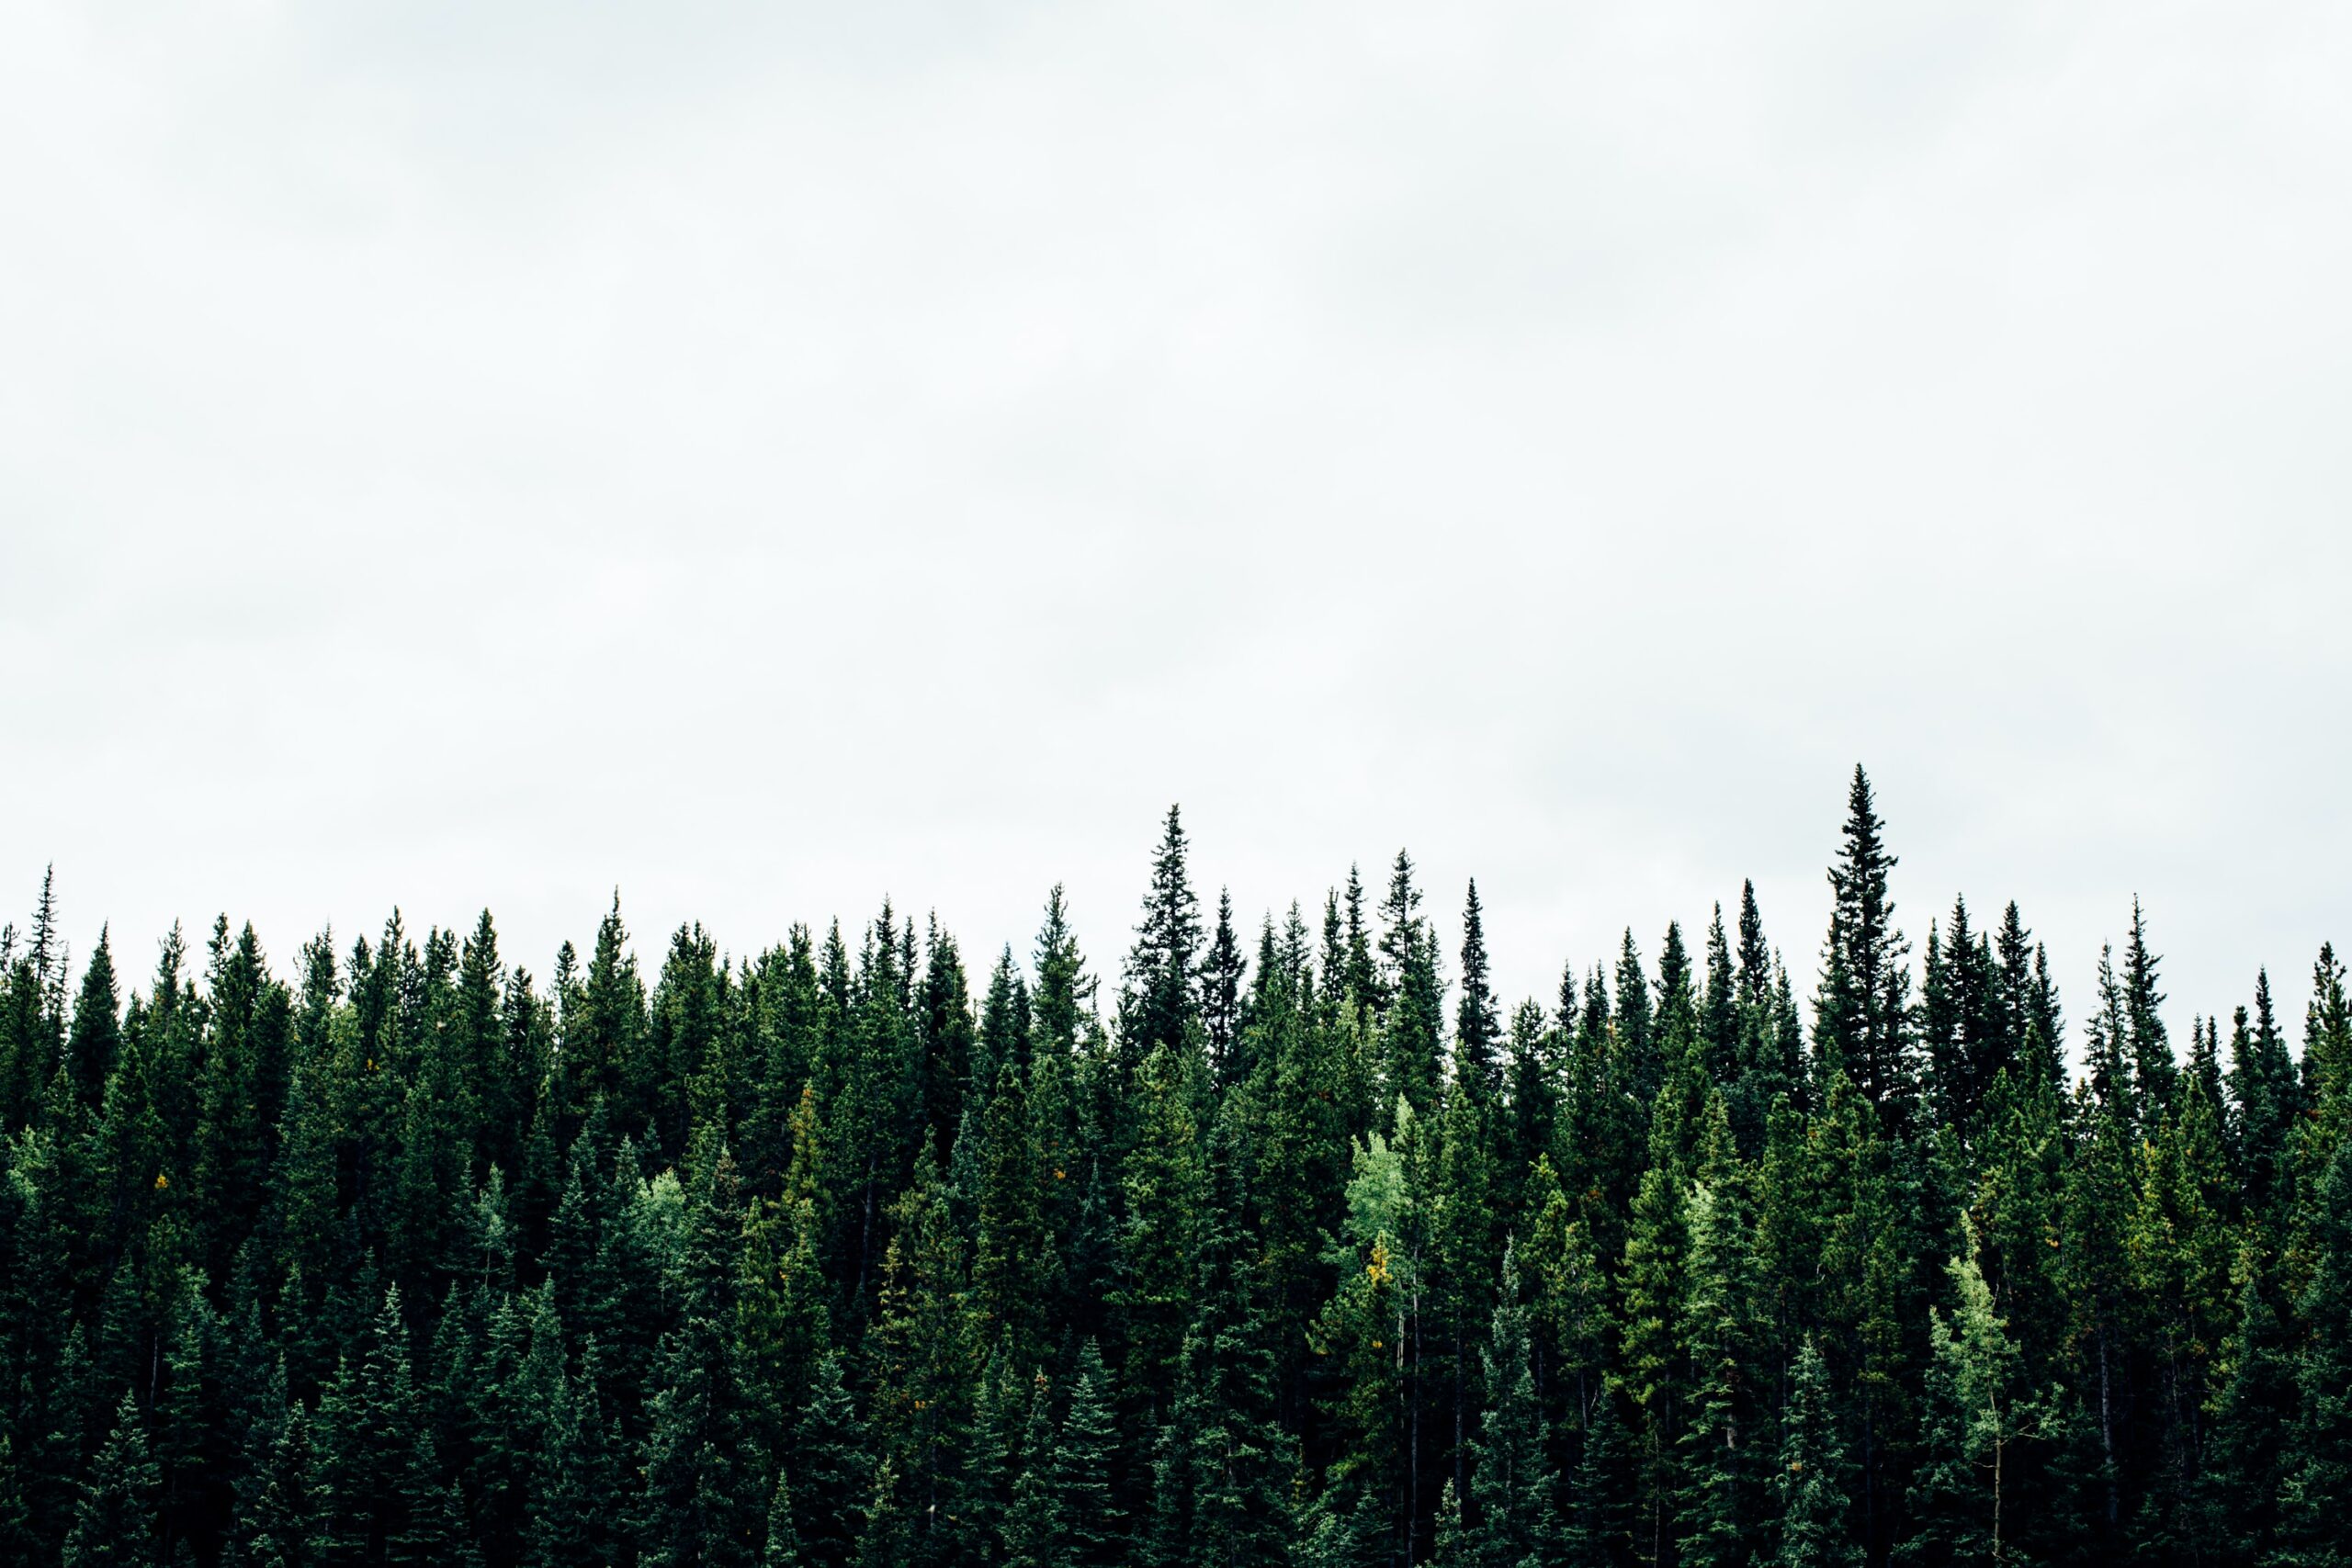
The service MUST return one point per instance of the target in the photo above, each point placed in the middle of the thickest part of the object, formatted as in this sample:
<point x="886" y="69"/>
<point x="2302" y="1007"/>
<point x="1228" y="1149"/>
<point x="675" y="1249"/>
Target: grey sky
<point x="454" y="454"/>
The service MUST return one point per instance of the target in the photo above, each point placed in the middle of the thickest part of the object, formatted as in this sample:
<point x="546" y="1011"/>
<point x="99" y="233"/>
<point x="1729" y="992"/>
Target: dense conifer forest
<point x="1286" y="1245"/>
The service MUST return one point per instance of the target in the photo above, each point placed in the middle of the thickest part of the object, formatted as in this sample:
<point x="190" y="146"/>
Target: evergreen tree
<point x="1222" y="972"/>
<point x="832" y="1470"/>
<point x="2154" y="1069"/>
<point x="1088" y="1528"/>
<point x="1477" y="1028"/>
<point x="2319" y="1477"/>
<point x="1159" y="1000"/>
<point x="1514" y="1486"/>
<point x="1813" y="1481"/>
<point x="1159" y="1244"/>
<point x="1225" y="1469"/>
<point x="1861" y="1010"/>
<point x="780" y="1541"/>
<point x="1033" y="1527"/>
<point x="1602" y="1515"/>
<point x="399" y="1258"/>
<point x="1008" y="1272"/>
<point x="1718" y="1325"/>
<point x="1977" y="1415"/>
<point x="115" y="1522"/>
<point x="705" y="1479"/>
<point x="375" y="1473"/>
<point x="575" y="1507"/>
<point x="1409" y="1027"/>
<point x="96" y="1037"/>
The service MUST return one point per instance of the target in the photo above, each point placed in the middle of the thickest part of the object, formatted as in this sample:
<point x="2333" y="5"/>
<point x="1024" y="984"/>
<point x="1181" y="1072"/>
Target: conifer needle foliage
<point x="1299" y="1247"/>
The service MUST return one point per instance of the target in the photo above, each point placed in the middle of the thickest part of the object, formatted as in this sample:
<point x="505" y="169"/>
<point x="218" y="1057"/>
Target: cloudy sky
<point x="769" y="457"/>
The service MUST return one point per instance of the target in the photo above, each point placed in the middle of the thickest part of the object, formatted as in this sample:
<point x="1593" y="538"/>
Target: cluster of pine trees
<point x="1313" y="1256"/>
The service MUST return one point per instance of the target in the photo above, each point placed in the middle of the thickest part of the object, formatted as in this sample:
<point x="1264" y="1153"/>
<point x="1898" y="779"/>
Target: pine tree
<point x="1088" y="1528"/>
<point x="96" y="1039"/>
<point x="1032" y="1526"/>
<point x="576" y="1503"/>
<point x="1514" y="1487"/>
<point x="1815" y="1503"/>
<point x="1477" y="1028"/>
<point x="832" y="1472"/>
<point x="1008" y="1270"/>
<point x="1978" y="1413"/>
<point x="1718" y="1325"/>
<point x="115" y="1522"/>
<point x="946" y="1042"/>
<point x="2318" y="1478"/>
<point x="1861" y="1009"/>
<point x="1602" y="1521"/>
<point x="2254" y="1420"/>
<point x="374" y="1470"/>
<point x="1360" y="1341"/>
<point x="705" y="1479"/>
<point x="1226" y="1477"/>
<point x="780" y="1541"/>
<point x="1411" y="1027"/>
<point x="1158" y="1000"/>
<point x="1637" y="1034"/>
<point x="1064" y="991"/>
<point x="1652" y="1365"/>
<point x="924" y="1356"/>
<point x="1159" y="1244"/>
<point x="1222" y="972"/>
<point x="275" y="1519"/>
<point x="2153" y="1070"/>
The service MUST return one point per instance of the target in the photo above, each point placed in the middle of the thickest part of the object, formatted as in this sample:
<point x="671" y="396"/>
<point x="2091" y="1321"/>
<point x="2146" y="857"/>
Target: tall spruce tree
<point x="1861" y="1009"/>
<point x="1813" y="1479"/>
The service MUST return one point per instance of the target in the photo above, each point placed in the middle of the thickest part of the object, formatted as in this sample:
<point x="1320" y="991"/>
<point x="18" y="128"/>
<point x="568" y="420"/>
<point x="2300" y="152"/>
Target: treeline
<point x="1297" y="1247"/>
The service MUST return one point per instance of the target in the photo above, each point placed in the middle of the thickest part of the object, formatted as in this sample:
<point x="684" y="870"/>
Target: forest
<point x="1297" y="1245"/>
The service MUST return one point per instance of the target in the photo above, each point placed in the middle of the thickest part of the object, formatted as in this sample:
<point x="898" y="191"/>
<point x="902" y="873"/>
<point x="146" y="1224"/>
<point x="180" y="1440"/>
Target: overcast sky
<point x="769" y="457"/>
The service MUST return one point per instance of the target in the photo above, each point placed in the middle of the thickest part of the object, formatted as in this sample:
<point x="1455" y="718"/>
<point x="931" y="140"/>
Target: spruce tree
<point x="1814" y="1504"/>
<point x="1477" y="1027"/>
<point x="1861" y="1009"/>
<point x="1226" y="1471"/>
<point x="1719" y="1326"/>
<point x="1033" y="1525"/>
<point x="115" y="1522"/>
<point x="575" y="1510"/>
<point x="780" y="1540"/>
<point x="2153" y="1070"/>
<point x="1222" y="972"/>
<point x="705" y="1478"/>
<point x="832" y="1473"/>
<point x="1601" y="1518"/>
<point x="96" y="1038"/>
<point x="1411" y="1027"/>
<point x="1008" y="1270"/>
<point x="1089" y="1526"/>
<point x="1514" y="1488"/>
<point x="2318" y="1477"/>
<point x="1158" y="1247"/>
<point x="1159" y="1000"/>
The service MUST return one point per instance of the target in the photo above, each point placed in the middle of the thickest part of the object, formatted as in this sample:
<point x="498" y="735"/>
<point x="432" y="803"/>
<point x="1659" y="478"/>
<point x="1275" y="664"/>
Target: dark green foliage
<point x="2316" y="1473"/>
<point x="1089" y="1529"/>
<point x="1513" y="1487"/>
<point x="1861" y="1010"/>
<point x="814" y="1258"/>
<point x="833" y="1474"/>
<point x="1811" y="1486"/>
<point x="115" y="1522"/>
<point x="1158" y="1002"/>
